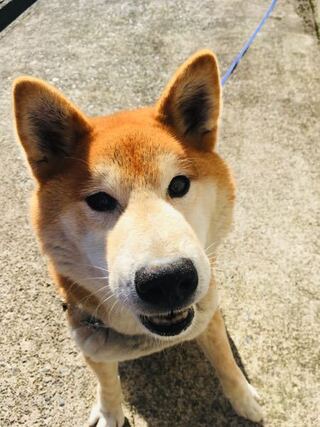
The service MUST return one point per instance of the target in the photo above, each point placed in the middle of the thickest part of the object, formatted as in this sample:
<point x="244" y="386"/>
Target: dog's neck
<point x="113" y="345"/>
<point x="80" y="305"/>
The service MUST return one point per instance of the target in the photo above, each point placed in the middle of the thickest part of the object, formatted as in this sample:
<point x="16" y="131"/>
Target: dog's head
<point x="132" y="206"/>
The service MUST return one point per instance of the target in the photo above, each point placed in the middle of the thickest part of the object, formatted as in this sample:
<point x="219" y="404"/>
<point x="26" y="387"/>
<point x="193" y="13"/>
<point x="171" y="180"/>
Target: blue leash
<point x="249" y="42"/>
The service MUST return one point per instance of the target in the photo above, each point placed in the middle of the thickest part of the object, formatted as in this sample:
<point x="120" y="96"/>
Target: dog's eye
<point x="179" y="186"/>
<point x="101" y="202"/>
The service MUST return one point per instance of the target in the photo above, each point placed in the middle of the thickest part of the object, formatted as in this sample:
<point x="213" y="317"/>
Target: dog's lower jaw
<point x="102" y="343"/>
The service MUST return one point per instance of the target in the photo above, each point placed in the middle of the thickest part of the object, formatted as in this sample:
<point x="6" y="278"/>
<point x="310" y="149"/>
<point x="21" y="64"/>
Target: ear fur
<point x="47" y="124"/>
<point x="191" y="103"/>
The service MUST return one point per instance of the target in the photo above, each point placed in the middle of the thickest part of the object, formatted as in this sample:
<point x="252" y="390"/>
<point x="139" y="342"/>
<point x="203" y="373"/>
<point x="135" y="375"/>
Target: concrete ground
<point x="109" y="55"/>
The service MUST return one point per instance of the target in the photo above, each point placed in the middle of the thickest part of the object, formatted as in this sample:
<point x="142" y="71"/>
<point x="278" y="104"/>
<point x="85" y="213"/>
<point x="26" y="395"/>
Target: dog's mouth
<point x="170" y="324"/>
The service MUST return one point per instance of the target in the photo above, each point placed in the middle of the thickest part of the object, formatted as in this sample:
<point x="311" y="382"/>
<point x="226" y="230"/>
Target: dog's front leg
<point x="215" y="344"/>
<point x="107" y="412"/>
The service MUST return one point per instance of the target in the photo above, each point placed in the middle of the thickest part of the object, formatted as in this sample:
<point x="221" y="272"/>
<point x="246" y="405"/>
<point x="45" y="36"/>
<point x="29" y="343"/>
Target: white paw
<point x="244" y="401"/>
<point x="100" y="418"/>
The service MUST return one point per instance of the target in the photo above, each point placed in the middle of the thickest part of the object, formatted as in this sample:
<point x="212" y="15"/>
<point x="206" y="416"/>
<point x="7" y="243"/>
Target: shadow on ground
<point x="178" y="387"/>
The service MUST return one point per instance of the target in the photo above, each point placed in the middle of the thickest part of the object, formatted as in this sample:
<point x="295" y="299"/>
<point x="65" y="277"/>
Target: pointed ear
<point x="191" y="103"/>
<point x="48" y="126"/>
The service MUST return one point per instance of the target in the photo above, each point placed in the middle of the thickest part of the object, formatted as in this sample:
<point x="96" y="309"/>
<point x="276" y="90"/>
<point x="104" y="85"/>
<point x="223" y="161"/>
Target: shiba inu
<point x="130" y="210"/>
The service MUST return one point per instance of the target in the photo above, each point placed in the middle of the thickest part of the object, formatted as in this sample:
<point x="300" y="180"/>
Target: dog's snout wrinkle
<point x="167" y="286"/>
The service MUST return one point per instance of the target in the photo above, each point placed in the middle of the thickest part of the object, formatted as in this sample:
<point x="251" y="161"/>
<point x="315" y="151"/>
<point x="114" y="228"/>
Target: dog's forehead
<point x="136" y="153"/>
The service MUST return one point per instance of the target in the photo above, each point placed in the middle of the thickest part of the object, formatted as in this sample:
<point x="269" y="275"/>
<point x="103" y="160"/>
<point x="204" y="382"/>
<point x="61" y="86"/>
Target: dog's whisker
<point x="92" y="294"/>
<point x="96" y="311"/>
<point x="114" y="305"/>
<point x="95" y="266"/>
<point x="70" y="288"/>
<point x="108" y="298"/>
<point x="101" y="268"/>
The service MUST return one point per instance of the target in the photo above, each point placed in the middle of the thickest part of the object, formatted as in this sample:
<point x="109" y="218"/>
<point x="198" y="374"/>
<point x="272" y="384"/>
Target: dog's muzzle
<point x="167" y="289"/>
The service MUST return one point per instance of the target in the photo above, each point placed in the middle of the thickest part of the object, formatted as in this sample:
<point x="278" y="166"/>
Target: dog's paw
<point x="100" y="418"/>
<point x="243" y="399"/>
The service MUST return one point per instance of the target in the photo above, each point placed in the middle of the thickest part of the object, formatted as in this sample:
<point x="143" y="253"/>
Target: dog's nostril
<point x="168" y="286"/>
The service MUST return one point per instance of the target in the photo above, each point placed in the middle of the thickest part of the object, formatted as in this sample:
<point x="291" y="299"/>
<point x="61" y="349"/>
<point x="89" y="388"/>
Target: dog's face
<point x="131" y="206"/>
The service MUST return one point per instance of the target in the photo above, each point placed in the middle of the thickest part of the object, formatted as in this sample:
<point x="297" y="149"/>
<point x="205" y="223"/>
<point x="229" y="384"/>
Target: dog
<point x="130" y="210"/>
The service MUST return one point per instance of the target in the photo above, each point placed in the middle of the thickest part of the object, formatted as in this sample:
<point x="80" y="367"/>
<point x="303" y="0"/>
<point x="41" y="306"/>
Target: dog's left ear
<point x="191" y="103"/>
<point x="49" y="126"/>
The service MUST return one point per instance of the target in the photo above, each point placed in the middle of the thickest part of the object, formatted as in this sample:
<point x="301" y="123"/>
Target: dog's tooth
<point x="159" y="320"/>
<point x="184" y="314"/>
<point x="170" y="319"/>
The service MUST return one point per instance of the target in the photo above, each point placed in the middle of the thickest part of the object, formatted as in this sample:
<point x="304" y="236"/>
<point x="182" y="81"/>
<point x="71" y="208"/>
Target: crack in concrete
<point x="308" y="10"/>
<point x="315" y="8"/>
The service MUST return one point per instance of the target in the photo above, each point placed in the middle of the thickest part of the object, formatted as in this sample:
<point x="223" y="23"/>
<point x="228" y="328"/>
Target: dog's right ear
<point x="47" y="124"/>
<point x="190" y="105"/>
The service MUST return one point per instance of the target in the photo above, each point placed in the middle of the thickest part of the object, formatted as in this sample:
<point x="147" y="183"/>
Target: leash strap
<point x="249" y="42"/>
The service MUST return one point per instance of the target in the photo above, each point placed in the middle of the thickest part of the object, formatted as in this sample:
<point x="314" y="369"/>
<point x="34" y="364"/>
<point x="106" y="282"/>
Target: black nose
<point x="168" y="286"/>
